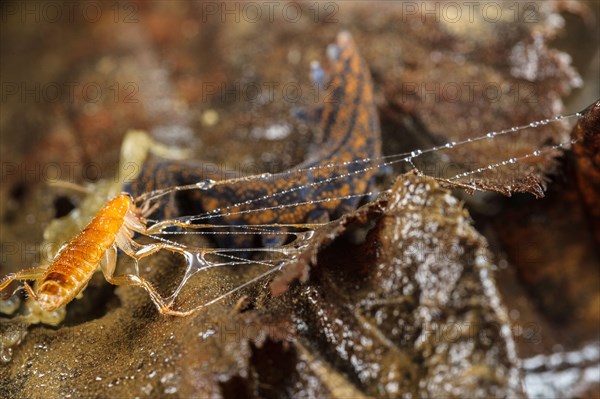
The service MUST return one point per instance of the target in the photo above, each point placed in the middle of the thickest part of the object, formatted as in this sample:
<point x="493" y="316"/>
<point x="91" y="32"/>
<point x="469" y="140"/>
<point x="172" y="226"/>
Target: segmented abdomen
<point x="75" y="264"/>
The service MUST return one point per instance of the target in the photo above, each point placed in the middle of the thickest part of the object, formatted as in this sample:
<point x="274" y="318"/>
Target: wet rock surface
<point x="403" y="296"/>
<point x="392" y="315"/>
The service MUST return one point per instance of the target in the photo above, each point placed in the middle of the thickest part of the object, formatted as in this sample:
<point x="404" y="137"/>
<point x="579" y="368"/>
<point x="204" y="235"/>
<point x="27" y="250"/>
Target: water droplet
<point x="205" y="184"/>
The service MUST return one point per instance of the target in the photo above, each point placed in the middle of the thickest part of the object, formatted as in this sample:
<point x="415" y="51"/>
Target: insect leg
<point x="139" y="251"/>
<point x="30" y="291"/>
<point x="34" y="273"/>
<point x="108" y="265"/>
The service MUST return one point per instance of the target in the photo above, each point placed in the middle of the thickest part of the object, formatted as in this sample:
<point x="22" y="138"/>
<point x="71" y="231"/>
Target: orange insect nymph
<point x="75" y="263"/>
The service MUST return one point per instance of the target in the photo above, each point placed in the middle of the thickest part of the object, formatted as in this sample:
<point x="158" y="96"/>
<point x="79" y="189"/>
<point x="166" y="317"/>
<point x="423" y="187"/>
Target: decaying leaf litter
<point x="298" y="328"/>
